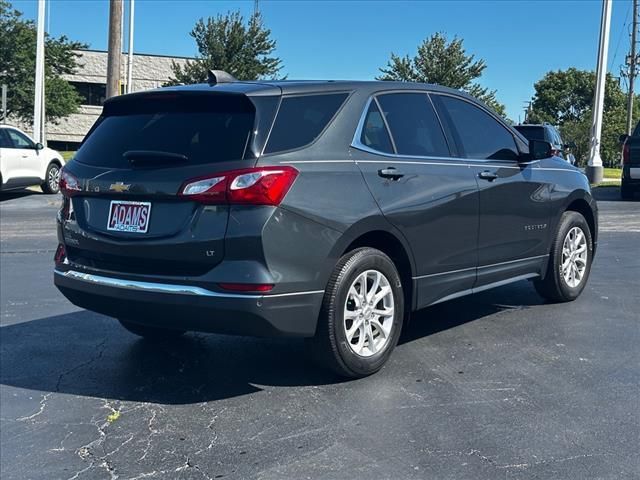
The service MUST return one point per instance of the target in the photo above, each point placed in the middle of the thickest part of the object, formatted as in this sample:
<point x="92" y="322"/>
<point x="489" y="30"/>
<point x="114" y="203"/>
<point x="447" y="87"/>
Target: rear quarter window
<point x="301" y="119"/>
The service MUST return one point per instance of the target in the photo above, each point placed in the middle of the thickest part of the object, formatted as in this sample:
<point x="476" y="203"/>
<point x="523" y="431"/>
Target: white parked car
<point x="24" y="163"/>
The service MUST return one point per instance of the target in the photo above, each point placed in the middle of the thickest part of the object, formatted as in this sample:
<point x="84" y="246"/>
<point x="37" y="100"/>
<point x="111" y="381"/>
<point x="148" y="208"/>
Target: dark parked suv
<point x="548" y="133"/>
<point x="630" y="164"/>
<point x="327" y="210"/>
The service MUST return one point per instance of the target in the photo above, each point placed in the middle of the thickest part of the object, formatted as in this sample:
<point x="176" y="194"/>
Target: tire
<point x="626" y="193"/>
<point x="351" y="355"/>
<point x="150" y="333"/>
<point x="556" y="286"/>
<point x="51" y="178"/>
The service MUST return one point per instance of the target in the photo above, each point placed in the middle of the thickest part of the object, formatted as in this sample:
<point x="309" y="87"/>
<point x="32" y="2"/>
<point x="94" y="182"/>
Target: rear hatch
<point x="128" y="215"/>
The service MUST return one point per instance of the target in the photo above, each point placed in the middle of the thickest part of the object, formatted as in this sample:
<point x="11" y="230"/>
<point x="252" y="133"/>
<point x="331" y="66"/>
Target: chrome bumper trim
<point x="154" y="287"/>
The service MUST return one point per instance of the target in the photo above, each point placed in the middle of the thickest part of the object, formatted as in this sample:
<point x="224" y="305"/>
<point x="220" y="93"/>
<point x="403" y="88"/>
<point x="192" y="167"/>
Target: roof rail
<point x="219" y="76"/>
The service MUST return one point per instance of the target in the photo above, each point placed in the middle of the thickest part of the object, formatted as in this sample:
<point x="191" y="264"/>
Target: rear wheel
<point x="361" y="314"/>
<point x="51" y="179"/>
<point x="626" y="192"/>
<point x="569" y="261"/>
<point x="150" y="333"/>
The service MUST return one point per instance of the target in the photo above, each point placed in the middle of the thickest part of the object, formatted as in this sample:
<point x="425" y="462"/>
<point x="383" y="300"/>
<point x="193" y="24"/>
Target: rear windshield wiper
<point x="144" y="157"/>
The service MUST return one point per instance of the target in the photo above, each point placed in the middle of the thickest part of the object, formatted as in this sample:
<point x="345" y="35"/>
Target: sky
<point x="519" y="40"/>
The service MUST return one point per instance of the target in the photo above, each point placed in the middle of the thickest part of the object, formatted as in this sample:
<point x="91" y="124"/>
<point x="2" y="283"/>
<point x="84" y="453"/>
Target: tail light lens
<point x="625" y="153"/>
<point x="60" y="255"/>
<point x="69" y="184"/>
<point x="252" y="186"/>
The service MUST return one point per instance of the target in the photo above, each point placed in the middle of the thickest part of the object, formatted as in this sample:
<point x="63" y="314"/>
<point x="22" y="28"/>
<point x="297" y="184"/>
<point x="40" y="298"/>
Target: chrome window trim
<point x="357" y="144"/>
<point x="176" y="289"/>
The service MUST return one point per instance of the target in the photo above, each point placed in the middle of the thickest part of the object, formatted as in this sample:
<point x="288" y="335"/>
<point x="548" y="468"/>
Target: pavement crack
<point x="43" y="405"/>
<point x="99" y="347"/>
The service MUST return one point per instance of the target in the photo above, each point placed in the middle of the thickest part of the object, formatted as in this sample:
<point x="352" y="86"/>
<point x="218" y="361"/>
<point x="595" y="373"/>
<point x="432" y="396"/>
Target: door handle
<point x="488" y="175"/>
<point x="390" y="172"/>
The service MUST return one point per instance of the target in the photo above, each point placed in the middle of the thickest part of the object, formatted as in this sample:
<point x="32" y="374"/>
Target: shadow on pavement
<point x="13" y="194"/>
<point x="87" y="354"/>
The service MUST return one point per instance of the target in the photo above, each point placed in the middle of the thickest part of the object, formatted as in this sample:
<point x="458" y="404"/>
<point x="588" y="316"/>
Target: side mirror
<point x="539" y="149"/>
<point x="38" y="146"/>
<point x="623" y="138"/>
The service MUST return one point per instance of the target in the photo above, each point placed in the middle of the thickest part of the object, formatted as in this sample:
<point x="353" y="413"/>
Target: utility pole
<point x="130" y="48"/>
<point x="632" y="61"/>
<point x="38" y="101"/>
<point x="594" y="168"/>
<point x="527" y="111"/>
<point x="115" y="48"/>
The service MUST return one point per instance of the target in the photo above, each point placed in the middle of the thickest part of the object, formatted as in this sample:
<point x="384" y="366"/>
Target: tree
<point x="565" y="98"/>
<point x="18" y="65"/>
<point x="445" y="63"/>
<point x="226" y="43"/>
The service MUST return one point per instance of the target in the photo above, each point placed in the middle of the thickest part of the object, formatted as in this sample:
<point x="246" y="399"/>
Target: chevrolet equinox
<point x="328" y="210"/>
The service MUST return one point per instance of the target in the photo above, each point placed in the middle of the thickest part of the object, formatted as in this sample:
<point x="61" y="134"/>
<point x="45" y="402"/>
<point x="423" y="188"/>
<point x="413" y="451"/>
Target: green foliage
<point x="18" y="64"/>
<point x="565" y="98"/>
<point x="445" y="63"/>
<point x="226" y="43"/>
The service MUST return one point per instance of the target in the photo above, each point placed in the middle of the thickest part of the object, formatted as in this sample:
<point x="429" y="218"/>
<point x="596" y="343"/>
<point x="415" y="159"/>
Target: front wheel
<point x="150" y="333"/>
<point x="569" y="261"/>
<point x="51" y="179"/>
<point x="361" y="315"/>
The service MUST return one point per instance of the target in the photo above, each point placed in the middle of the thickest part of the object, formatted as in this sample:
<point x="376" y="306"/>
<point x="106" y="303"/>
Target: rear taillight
<point x="60" y="255"/>
<point x="251" y="186"/>
<point x="69" y="184"/>
<point x="625" y="153"/>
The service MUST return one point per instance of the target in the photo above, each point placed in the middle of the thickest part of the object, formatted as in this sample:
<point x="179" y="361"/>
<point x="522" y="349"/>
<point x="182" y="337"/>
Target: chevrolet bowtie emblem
<point x="119" y="187"/>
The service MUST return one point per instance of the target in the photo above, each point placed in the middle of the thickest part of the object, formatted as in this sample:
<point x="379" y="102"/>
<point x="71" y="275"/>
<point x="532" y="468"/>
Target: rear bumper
<point x="189" y="307"/>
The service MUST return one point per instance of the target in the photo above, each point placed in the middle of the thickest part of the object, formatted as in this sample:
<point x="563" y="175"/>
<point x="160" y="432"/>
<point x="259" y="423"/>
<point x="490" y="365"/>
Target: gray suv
<point x="320" y="209"/>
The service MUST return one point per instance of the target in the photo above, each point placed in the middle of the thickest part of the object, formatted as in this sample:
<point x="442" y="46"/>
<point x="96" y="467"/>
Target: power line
<point x="615" y="53"/>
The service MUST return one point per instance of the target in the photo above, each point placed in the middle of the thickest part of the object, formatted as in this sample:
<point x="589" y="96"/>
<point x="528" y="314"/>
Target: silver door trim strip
<point x="481" y="266"/>
<point x="177" y="289"/>
<point x="489" y="286"/>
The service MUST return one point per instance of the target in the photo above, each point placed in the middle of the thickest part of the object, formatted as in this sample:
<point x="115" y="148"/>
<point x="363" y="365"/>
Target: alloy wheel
<point x="53" y="178"/>
<point x="369" y="313"/>
<point x="574" y="257"/>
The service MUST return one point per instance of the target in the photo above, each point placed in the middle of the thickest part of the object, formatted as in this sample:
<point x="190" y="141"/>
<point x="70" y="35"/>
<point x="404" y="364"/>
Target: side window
<point x="374" y="132"/>
<point x="19" y="140"/>
<point x="414" y="125"/>
<point x="478" y="133"/>
<point x="301" y="119"/>
<point x="4" y="139"/>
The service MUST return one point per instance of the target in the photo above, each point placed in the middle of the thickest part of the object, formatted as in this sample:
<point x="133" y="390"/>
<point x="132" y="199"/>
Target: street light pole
<point x="38" y="101"/>
<point x="115" y="48"/>
<point x="130" y="48"/>
<point x="594" y="168"/>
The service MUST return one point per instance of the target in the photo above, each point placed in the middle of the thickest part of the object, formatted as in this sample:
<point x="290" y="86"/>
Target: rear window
<point x="301" y="119"/>
<point x="531" y="133"/>
<point x="197" y="128"/>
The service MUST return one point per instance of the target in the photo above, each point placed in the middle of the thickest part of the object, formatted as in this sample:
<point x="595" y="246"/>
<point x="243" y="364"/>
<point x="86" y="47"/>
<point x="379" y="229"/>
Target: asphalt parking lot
<point x="499" y="385"/>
